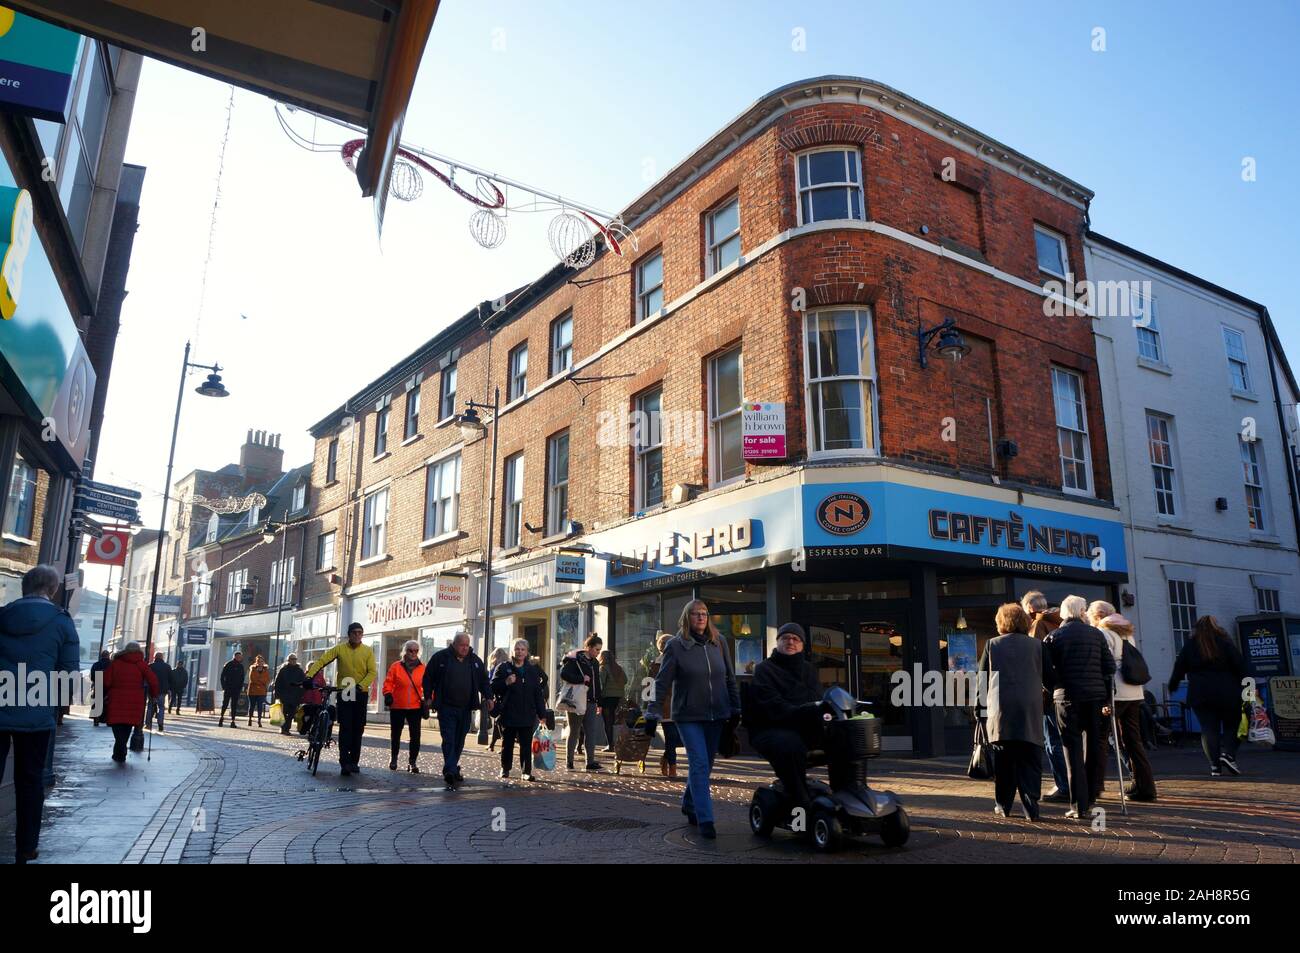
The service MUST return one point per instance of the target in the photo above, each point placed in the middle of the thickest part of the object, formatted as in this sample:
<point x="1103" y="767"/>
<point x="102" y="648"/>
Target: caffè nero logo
<point x="843" y="513"/>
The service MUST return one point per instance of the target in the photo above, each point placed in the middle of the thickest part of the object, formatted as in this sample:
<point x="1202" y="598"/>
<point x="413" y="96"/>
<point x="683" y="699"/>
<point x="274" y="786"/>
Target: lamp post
<point x="279" y="593"/>
<point x="951" y="344"/>
<point x="212" y="387"/>
<point x="470" y="426"/>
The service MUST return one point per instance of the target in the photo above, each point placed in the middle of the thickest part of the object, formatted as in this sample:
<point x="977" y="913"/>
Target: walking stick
<point x="1119" y="756"/>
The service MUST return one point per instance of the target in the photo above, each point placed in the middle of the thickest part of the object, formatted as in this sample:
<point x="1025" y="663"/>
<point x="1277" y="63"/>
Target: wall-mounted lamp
<point x="950" y="343"/>
<point x="1221" y="504"/>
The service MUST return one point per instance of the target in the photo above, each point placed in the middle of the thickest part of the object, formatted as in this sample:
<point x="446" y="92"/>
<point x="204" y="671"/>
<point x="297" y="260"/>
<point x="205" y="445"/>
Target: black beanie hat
<point x="794" y="628"/>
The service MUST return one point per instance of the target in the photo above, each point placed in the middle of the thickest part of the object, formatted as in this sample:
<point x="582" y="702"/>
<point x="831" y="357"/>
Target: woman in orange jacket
<point x="404" y="698"/>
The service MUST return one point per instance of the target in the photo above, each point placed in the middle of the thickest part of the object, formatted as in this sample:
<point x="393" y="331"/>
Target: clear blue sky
<point x="583" y="97"/>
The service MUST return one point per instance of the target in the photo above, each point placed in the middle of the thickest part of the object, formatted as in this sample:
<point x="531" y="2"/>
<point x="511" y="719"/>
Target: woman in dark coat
<point x="288" y="690"/>
<point x="521" y="704"/>
<point x="124" y="681"/>
<point x="1215" y="671"/>
<point x="1016" y="663"/>
<point x="783" y="712"/>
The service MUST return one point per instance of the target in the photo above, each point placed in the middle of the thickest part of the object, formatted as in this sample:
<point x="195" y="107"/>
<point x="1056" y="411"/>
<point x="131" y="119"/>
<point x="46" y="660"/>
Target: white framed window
<point x="1182" y="610"/>
<point x="235" y="583"/>
<point x="412" y="413"/>
<point x="299" y="497"/>
<point x="374" y="524"/>
<point x="1234" y="345"/>
<point x="512" y="527"/>
<point x="1146" y="324"/>
<point x="722" y="235"/>
<point x="839" y="367"/>
<point x="381" y="429"/>
<point x="214" y="523"/>
<point x="199" y="589"/>
<point x="20" y="506"/>
<point x="325" y="551"/>
<point x="518" y="372"/>
<point x="726" y="431"/>
<point x="447" y="402"/>
<point x="1053" y="258"/>
<point x="441" y="496"/>
<point x="1160" y="446"/>
<point x="1253" y="478"/>
<point x="647" y="443"/>
<point x="282" y="582"/>
<point x="557" y="483"/>
<point x="1072" y="431"/>
<point x="1267" y="600"/>
<point x="332" y="461"/>
<point x="830" y="185"/>
<point x="562" y="343"/>
<point x="650" y="286"/>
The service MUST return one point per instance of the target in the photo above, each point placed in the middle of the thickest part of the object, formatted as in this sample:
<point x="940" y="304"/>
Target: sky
<point x="303" y="304"/>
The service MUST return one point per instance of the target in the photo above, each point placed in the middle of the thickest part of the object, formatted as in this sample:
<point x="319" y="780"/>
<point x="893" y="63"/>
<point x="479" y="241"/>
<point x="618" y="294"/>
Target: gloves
<point x="388" y="699"/>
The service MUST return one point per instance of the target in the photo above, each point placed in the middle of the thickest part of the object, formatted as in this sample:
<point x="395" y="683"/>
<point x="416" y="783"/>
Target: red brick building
<point x="796" y="258"/>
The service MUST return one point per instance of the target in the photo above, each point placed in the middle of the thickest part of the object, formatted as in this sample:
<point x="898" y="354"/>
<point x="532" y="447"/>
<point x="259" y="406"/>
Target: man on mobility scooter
<point x="795" y="727"/>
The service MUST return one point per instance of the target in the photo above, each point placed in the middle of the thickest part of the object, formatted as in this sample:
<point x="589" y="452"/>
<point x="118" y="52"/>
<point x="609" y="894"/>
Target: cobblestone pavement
<point x="223" y="795"/>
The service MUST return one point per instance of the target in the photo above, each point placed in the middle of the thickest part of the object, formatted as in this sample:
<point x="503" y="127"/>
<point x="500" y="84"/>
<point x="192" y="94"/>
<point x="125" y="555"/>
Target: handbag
<point x="1133" y="668"/>
<point x="982" y="755"/>
<point x="572" y="697"/>
<point x="424" y="705"/>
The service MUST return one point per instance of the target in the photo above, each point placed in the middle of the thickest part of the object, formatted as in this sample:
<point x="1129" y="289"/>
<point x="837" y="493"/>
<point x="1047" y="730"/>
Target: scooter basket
<point x="854" y="738"/>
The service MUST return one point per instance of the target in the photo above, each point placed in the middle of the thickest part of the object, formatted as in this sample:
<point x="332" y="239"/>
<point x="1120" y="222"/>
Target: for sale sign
<point x="763" y="426"/>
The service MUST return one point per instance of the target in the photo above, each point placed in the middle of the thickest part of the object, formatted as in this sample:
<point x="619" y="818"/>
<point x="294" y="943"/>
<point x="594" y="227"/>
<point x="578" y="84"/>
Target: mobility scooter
<point x="846" y="805"/>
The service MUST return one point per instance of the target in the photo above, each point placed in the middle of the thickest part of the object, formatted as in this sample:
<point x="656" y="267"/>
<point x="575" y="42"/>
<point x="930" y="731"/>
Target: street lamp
<point x="471" y="426"/>
<point x="951" y="344"/>
<point x="212" y="387"/>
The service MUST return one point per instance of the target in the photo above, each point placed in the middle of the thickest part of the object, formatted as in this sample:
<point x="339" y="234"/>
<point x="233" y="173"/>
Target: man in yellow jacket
<point x="356" y="672"/>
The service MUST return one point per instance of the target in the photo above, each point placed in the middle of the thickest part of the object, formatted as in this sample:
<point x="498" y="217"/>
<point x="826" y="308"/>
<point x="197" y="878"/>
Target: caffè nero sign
<point x="679" y="549"/>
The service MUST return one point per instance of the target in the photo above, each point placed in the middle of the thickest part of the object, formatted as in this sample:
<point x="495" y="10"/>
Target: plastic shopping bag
<point x="1243" y="729"/>
<point x="277" y="714"/>
<point x="543" y="749"/>
<point x="1261" y="729"/>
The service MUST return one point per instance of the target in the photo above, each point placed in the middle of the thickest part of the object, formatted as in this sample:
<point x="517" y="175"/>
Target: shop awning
<point x="354" y="60"/>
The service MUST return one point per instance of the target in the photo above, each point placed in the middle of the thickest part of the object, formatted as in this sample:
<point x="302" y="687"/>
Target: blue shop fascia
<point x="887" y="568"/>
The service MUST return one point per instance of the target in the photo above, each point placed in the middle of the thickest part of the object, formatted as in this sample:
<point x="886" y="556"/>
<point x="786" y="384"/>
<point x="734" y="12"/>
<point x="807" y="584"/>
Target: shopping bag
<point x="572" y="698"/>
<point x="543" y="749"/>
<point x="1243" y="729"/>
<point x="1261" y="729"/>
<point x="277" y="714"/>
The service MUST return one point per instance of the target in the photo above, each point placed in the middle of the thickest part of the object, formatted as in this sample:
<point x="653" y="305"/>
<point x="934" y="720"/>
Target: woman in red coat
<point x="124" y="681"/>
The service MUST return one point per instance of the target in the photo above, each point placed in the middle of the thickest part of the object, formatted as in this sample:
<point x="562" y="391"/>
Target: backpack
<point x="1133" y="668"/>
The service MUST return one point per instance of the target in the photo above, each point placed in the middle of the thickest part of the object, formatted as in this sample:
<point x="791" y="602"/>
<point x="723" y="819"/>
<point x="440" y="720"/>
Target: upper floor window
<point x="723" y="236"/>
<point x="199" y="593"/>
<point x="1072" y="431"/>
<point x="325" y="551"/>
<point x="1160" y="442"/>
<point x="1053" y="259"/>
<point x="513" y="525"/>
<point x="1234" y="344"/>
<point x="650" y="286"/>
<point x="441" y="496"/>
<point x="176" y="558"/>
<point x="412" y="413"/>
<point x="374" y="525"/>
<point x="726" y="431"/>
<point x="1267" y="600"/>
<point x="447" y="401"/>
<point x="299" y="497"/>
<point x="282" y="582"/>
<point x="839" y="367"/>
<point x="332" y="461"/>
<point x="1147" y="325"/>
<point x="381" y="429"/>
<point x="830" y="186"/>
<point x="518" y="372"/>
<point x="214" y="522"/>
<point x="236" y="582"/>
<point x="557" y="484"/>
<point x="1253" y="478"/>
<point x="562" y="343"/>
<point x="20" y="507"/>
<point x="648" y="444"/>
<point x="1182" y="610"/>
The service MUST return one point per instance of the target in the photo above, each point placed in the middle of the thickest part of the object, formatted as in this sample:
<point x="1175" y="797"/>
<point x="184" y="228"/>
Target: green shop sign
<point x="36" y="64"/>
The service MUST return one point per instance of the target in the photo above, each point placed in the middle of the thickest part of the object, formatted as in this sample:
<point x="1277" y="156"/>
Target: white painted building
<point x="1211" y="515"/>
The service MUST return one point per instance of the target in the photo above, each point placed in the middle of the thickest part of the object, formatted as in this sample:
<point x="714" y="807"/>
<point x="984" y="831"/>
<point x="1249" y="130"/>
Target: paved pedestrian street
<point x="234" y="796"/>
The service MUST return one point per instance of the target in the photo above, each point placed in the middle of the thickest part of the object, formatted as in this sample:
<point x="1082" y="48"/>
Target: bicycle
<point x="320" y="735"/>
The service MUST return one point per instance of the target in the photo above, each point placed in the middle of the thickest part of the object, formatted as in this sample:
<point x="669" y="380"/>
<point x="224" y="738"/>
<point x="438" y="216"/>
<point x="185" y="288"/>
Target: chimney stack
<point x="261" y="458"/>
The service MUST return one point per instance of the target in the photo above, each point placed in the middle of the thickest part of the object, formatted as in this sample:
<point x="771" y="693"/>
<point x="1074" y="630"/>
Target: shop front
<point x="429" y="611"/>
<point x="539" y="602"/>
<point x="895" y="576"/>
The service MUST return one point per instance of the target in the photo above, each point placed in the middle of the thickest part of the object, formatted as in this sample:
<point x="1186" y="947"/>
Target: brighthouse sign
<point x="36" y="65"/>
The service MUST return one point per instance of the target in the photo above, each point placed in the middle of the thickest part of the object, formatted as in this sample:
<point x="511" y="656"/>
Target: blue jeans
<point x="700" y="738"/>
<point x="1056" y="754"/>
<point x="454" y="725"/>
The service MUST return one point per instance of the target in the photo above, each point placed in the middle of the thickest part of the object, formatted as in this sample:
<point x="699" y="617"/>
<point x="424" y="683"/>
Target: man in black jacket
<point x="583" y="668"/>
<point x="1082" y="680"/>
<point x="163" y="672"/>
<point x="783" y="712"/>
<point x="232" y="684"/>
<point x="456" y="681"/>
<point x="180" y="679"/>
<point x="288" y="690"/>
